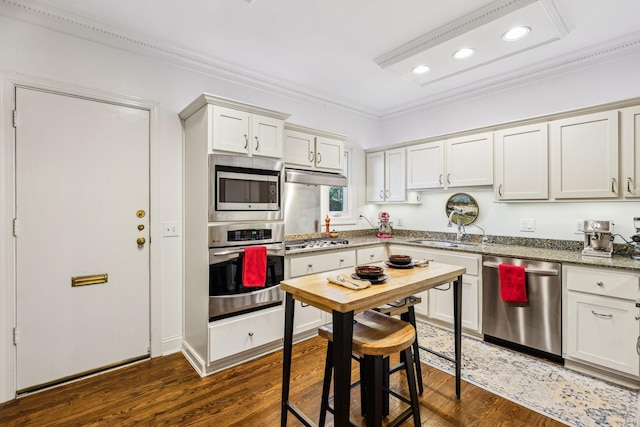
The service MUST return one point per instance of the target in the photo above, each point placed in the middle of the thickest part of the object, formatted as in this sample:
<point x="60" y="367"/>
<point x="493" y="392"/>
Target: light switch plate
<point x="528" y="225"/>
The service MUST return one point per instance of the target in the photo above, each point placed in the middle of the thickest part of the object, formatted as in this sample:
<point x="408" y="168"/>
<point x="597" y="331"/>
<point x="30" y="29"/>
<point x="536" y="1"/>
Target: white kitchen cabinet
<point x="227" y="126"/>
<point x="308" y="318"/>
<point x="602" y="321"/>
<point x="386" y="176"/>
<point x="437" y="303"/>
<point x="584" y="156"/>
<point x="242" y="333"/>
<point x="631" y="151"/>
<point x="313" y="149"/>
<point x="522" y="163"/>
<point x="371" y="255"/>
<point x="457" y="162"/>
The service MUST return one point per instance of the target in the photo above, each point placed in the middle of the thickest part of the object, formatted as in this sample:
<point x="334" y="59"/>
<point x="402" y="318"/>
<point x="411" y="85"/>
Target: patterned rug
<point x="564" y="395"/>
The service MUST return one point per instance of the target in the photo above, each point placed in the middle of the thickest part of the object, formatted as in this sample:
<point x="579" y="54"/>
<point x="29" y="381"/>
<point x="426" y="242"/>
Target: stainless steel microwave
<point x="245" y="188"/>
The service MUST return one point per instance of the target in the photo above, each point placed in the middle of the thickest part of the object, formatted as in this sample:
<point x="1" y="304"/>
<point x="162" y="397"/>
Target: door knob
<point x="141" y="241"/>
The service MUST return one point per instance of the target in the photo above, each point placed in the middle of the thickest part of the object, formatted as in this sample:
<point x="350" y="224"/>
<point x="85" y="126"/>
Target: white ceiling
<point x="327" y="48"/>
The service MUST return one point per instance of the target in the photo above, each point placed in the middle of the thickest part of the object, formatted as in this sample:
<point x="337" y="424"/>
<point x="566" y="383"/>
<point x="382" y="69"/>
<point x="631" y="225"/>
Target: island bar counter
<point x="344" y="303"/>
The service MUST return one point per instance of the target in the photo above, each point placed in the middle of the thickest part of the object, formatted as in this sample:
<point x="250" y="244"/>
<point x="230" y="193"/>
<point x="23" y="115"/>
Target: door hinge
<point x="15" y="118"/>
<point x="15" y="336"/>
<point x="15" y="227"/>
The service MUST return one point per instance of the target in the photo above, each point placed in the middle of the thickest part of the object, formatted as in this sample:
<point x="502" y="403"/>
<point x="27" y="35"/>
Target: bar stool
<point x="375" y="337"/>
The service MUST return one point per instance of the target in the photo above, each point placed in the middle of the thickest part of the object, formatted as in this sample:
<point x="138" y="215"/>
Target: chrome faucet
<point x="459" y="231"/>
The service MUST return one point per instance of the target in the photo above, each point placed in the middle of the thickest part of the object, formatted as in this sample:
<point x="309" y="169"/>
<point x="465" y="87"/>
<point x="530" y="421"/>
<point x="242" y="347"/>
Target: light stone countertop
<point x="572" y="256"/>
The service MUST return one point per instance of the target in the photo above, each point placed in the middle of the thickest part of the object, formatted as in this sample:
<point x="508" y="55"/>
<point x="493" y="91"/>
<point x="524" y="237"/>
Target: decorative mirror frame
<point x="466" y="204"/>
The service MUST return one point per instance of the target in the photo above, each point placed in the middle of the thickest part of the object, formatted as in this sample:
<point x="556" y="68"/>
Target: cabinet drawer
<point x="227" y="338"/>
<point x="369" y="255"/>
<point x="599" y="282"/>
<point x="312" y="264"/>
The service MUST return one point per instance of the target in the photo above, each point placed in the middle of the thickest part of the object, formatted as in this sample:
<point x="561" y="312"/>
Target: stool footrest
<point x="436" y="353"/>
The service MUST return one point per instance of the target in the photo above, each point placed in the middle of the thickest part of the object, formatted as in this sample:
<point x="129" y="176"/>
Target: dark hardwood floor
<point x="167" y="391"/>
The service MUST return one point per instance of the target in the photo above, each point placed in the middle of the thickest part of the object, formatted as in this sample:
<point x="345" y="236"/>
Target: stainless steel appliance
<point x="535" y="326"/>
<point x="636" y="238"/>
<point x="245" y="188"/>
<point x="227" y="294"/>
<point x="598" y="239"/>
<point x="319" y="242"/>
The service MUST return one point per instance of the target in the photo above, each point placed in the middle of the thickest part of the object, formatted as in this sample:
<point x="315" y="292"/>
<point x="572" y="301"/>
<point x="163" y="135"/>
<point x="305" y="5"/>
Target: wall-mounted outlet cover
<point x="528" y="225"/>
<point x="171" y="229"/>
<point x="579" y="224"/>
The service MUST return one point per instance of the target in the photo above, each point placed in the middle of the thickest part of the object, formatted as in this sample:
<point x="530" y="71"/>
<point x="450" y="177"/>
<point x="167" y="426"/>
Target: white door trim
<point x="8" y="284"/>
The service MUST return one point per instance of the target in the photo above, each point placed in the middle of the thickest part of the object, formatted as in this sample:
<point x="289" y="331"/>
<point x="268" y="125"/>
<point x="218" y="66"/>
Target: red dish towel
<point x="512" y="283"/>
<point x="254" y="267"/>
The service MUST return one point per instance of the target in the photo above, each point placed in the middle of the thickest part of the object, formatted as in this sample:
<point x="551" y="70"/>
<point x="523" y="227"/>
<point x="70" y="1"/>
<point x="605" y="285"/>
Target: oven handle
<point x="241" y="250"/>
<point x="526" y="270"/>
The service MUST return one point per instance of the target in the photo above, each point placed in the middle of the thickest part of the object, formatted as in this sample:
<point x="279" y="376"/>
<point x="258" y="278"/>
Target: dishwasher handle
<point x="541" y="271"/>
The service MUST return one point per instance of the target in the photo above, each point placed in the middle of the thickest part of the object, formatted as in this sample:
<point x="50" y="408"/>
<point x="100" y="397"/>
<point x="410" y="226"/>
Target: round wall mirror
<point x="463" y="205"/>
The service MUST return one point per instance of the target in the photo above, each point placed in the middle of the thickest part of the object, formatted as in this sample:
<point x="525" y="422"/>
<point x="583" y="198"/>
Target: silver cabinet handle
<point x="311" y="156"/>
<point x="257" y="144"/>
<point x="448" y="178"/>
<point x="371" y="256"/>
<point x="601" y="284"/>
<point x="341" y="260"/>
<point x="613" y="185"/>
<point x="250" y="334"/>
<point x="382" y="194"/>
<point x="246" y="142"/>
<point x="386" y="193"/>
<point x="310" y="266"/>
<point x="604" y="316"/>
<point x="629" y="182"/>
<point x="500" y="190"/>
<point x="318" y="158"/>
<point x="440" y="179"/>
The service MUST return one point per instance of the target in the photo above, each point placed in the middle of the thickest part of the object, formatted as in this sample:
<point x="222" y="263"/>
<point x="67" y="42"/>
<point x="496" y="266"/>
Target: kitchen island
<point x="344" y="303"/>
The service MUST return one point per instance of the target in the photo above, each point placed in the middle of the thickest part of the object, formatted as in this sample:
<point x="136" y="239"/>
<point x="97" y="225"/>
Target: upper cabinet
<point x="313" y="149"/>
<point x="458" y="162"/>
<point x="631" y="151"/>
<point x="521" y="163"/>
<point x="386" y="176"/>
<point x="584" y="156"/>
<point x="228" y="126"/>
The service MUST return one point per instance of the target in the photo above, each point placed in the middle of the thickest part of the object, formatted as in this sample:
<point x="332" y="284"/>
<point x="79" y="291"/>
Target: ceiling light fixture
<point x="516" y="33"/>
<point x="421" y="69"/>
<point x="463" y="53"/>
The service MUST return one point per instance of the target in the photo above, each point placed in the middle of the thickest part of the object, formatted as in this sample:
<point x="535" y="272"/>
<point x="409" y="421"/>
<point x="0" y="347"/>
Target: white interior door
<point x="82" y="175"/>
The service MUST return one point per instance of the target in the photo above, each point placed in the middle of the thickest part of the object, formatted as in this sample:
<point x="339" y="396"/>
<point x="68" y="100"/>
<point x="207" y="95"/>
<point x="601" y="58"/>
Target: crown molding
<point x="53" y="19"/>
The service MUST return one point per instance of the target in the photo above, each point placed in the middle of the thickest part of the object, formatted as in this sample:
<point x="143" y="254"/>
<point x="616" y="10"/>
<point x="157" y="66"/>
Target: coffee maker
<point x="598" y="239"/>
<point x="636" y="238"/>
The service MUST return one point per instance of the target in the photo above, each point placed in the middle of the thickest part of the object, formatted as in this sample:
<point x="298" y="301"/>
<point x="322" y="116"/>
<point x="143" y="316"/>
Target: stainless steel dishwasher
<point x="535" y="326"/>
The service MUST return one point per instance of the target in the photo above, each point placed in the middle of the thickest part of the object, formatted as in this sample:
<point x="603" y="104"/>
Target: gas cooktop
<point x="317" y="242"/>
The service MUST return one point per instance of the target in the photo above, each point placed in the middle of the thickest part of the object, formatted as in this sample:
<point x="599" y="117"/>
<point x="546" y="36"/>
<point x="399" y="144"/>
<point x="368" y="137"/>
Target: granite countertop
<point x="534" y="249"/>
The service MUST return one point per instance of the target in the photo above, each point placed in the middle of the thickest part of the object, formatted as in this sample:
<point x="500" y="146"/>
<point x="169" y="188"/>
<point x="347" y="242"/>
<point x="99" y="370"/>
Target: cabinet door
<point x="395" y="175"/>
<point x="470" y="160"/>
<point x="329" y="154"/>
<point x="304" y="265"/>
<point x="266" y="136"/>
<point x="441" y="303"/>
<point x="370" y="255"/>
<point x="230" y="130"/>
<point x="299" y="148"/>
<point x="584" y="156"/>
<point x="375" y="177"/>
<point x="603" y="331"/>
<point x="631" y="151"/>
<point x="425" y="166"/>
<point x="522" y="159"/>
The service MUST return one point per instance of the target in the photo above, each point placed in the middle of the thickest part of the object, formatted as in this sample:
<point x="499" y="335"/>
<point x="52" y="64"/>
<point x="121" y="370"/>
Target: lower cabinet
<point x="602" y="320"/>
<point x="437" y="303"/>
<point x="308" y="318"/>
<point x="371" y="255"/>
<point x="242" y="333"/>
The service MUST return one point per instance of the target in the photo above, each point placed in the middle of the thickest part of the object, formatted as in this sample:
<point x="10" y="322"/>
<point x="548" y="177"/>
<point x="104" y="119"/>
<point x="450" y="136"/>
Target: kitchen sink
<point x="445" y="244"/>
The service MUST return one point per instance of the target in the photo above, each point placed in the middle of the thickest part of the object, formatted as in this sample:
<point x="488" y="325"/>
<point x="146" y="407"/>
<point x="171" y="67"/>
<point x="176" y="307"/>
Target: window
<point x="337" y="202"/>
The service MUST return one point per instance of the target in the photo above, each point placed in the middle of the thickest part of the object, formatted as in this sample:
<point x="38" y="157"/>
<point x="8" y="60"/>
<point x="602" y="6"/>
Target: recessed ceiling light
<point x="516" y="33"/>
<point x="421" y="69"/>
<point x="463" y="53"/>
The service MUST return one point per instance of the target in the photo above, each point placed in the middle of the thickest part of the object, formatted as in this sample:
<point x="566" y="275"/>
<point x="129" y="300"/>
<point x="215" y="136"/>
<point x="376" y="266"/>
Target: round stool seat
<point x="375" y="334"/>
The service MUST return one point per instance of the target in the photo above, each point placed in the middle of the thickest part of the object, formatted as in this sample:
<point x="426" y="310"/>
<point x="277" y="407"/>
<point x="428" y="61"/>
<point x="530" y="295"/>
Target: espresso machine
<point x="636" y="238"/>
<point x="598" y="238"/>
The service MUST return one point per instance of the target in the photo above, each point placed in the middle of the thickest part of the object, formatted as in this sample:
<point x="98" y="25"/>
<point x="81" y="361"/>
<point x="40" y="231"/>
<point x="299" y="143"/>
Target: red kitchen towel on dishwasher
<point x="254" y="267"/>
<point x="512" y="283"/>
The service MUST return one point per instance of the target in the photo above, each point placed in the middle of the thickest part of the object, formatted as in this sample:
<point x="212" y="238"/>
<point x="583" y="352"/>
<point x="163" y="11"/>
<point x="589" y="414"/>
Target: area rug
<point x="547" y="388"/>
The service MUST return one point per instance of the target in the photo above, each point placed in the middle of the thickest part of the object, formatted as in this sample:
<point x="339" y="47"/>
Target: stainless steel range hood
<point x="300" y="176"/>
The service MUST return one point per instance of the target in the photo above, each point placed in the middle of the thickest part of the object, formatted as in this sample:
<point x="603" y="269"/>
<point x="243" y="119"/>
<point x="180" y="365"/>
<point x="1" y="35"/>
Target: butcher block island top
<point x="316" y="290"/>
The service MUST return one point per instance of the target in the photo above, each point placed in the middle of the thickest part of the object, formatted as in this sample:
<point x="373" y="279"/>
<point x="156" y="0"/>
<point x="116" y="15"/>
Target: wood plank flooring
<point x="167" y="391"/>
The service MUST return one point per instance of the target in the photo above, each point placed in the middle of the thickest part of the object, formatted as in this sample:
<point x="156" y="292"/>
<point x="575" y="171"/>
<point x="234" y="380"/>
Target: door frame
<point x="8" y="281"/>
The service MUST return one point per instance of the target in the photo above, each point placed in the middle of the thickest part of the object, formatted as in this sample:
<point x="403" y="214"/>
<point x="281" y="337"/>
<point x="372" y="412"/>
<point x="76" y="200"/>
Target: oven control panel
<point x="249" y="234"/>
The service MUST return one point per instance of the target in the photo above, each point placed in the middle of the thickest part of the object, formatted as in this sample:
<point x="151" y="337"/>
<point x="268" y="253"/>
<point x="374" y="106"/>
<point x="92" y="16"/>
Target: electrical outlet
<point x="579" y="226"/>
<point x="528" y="225"/>
<point x="399" y="222"/>
<point x="170" y="229"/>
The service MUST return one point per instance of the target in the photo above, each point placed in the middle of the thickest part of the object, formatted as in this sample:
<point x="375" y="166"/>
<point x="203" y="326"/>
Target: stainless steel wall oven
<point x="227" y="242"/>
<point x="245" y="188"/>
